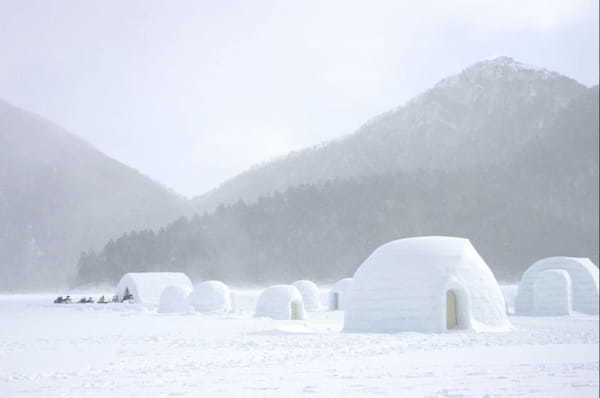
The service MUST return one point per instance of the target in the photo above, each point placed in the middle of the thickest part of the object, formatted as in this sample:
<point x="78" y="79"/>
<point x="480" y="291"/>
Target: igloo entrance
<point x="335" y="301"/>
<point x="451" y="310"/>
<point x="295" y="310"/>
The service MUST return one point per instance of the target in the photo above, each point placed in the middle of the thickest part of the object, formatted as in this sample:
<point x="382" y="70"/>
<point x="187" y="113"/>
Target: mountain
<point x="504" y="154"/>
<point x="60" y="196"/>
<point x="478" y="118"/>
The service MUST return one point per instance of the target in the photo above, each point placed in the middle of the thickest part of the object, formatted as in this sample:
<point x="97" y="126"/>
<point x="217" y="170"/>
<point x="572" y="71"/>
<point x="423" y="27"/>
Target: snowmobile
<point x="127" y="296"/>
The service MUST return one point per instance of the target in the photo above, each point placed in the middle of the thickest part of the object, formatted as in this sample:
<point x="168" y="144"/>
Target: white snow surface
<point x="342" y="289"/>
<point x="97" y="351"/>
<point x="211" y="296"/>
<point x="276" y="301"/>
<point x="402" y="286"/>
<point x="146" y="287"/>
<point x="583" y="289"/>
<point x="174" y="299"/>
<point x="310" y="294"/>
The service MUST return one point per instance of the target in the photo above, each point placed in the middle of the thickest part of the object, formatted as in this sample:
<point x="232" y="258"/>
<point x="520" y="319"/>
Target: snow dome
<point x="425" y="284"/>
<point x="211" y="296"/>
<point x="545" y="291"/>
<point x="146" y="287"/>
<point x="173" y="299"/>
<point x="280" y="302"/>
<point x="338" y="294"/>
<point x="310" y="294"/>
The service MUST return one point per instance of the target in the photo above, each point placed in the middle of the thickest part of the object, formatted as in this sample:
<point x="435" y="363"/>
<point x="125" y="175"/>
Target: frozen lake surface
<point x="95" y="350"/>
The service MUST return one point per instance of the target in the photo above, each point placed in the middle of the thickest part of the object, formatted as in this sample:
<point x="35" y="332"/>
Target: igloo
<point x="337" y="296"/>
<point x="146" y="287"/>
<point x="310" y="294"/>
<point x="425" y="284"/>
<point x="173" y="299"/>
<point x="280" y="302"/>
<point x="211" y="296"/>
<point x="558" y="286"/>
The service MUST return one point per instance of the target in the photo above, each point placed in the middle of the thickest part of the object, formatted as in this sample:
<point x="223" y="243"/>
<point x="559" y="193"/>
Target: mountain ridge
<point x="412" y="128"/>
<point x="521" y="185"/>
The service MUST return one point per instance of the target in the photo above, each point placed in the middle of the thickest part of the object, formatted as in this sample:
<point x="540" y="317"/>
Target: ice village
<point x="421" y="316"/>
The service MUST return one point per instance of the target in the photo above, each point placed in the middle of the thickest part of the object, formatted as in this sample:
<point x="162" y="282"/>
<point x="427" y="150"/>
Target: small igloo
<point x="425" y="284"/>
<point x="338" y="294"/>
<point x="558" y="286"/>
<point x="280" y="302"/>
<point x="211" y="296"/>
<point x="146" y="287"/>
<point x="173" y="299"/>
<point x="310" y="294"/>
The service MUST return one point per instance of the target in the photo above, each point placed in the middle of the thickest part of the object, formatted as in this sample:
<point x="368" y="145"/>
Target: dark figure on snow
<point x="59" y="300"/>
<point x="82" y="300"/>
<point x="67" y="300"/>
<point x="127" y="296"/>
<point x="102" y="300"/>
<point x="115" y="299"/>
<point x="89" y="300"/>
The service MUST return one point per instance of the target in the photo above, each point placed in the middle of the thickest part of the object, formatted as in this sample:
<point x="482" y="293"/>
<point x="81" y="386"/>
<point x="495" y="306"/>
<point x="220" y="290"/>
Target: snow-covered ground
<point x="95" y="350"/>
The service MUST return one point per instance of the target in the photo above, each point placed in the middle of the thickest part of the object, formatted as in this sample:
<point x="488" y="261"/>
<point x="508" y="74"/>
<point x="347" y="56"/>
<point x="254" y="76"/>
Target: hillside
<point x="541" y="201"/>
<point x="59" y="196"/>
<point x="479" y="118"/>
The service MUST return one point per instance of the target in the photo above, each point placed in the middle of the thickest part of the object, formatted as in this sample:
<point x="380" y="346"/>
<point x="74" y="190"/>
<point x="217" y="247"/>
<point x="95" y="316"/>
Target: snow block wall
<point x="403" y="286"/>
<point x="280" y="302"/>
<point x="211" y="296"/>
<point x="583" y="275"/>
<point x="337" y="296"/>
<point x="552" y="293"/>
<point x="310" y="294"/>
<point x="146" y="287"/>
<point x="174" y="299"/>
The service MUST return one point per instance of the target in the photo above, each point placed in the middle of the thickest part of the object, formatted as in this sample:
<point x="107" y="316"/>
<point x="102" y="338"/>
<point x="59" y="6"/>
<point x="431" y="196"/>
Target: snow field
<point x="127" y="350"/>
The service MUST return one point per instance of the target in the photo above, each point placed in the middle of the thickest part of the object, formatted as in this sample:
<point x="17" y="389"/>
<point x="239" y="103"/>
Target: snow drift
<point x="419" y="284"/>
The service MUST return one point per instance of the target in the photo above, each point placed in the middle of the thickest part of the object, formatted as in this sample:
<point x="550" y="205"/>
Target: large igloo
<point x="338" y="295"/>
<point x="174" y="299"/>
<point x="211" y="296"/>
<point x="310" y="294"/>
<point x="425" y="284"/>
<point x="280" y="302"/>
<point x="558" y="286"/>
<point x="146" y="287"/>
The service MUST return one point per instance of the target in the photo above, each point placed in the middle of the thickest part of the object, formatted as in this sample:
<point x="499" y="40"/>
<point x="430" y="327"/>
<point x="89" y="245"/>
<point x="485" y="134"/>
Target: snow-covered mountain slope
<point x="522" y="185"/>
<point x="59" y="196"/>
<point x="479" y="118"/>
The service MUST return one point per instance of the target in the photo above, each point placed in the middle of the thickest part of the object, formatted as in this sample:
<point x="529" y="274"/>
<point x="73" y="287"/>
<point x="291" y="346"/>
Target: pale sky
<point x="193" y="92"/>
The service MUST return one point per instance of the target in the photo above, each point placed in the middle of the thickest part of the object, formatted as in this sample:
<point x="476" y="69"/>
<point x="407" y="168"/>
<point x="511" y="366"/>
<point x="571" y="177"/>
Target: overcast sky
<point x="193" y="92"/>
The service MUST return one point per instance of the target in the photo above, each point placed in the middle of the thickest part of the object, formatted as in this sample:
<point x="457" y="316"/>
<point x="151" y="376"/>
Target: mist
<point x="274" y="198"/>
<point x="192" y="93"/>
